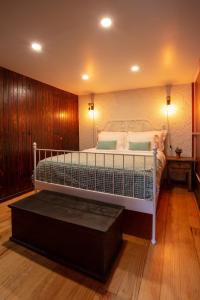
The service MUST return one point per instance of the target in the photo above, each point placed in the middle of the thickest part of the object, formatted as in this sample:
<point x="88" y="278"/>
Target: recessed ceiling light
<point x="135" y="68"/>
<point x="85" y="77"/>
<point x="106" y="22"/>
<point x="36" y="47"/>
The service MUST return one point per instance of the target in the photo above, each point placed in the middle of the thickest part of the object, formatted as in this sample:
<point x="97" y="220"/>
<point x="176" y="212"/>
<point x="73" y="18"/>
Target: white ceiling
<point x="163" y="37"/>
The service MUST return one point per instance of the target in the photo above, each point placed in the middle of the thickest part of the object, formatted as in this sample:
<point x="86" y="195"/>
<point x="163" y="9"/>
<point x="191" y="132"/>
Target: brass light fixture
<point x="91" y="106"/>
<point x="168" y="100"/>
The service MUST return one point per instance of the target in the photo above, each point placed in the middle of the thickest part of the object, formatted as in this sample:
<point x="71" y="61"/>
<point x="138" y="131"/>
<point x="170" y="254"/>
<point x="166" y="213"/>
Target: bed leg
<point x="153" y="239"/>
<point x="34" y="165"/>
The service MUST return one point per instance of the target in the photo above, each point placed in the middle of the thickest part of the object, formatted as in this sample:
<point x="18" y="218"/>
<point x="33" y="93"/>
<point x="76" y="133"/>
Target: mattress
<point x="127" y="173"/>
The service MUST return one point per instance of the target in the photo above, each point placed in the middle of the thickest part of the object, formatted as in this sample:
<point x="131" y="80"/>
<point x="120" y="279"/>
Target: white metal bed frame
<point x="130" y="203"/>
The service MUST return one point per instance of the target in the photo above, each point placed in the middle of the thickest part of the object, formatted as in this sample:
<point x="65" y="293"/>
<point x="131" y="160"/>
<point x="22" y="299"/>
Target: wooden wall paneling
<point x="197" y="120"/>
<point x="12" y="128"/>
<point x="29" y="124"/>
<point x="2" y="153"/>
<point x="64" y="118"/>
<point x="56" y="121"/>
<point x="22" y="133"/>
<point x="31" y="111"/>
<point x="72" y="120"/>
<point x="27" y="133"/>
<point x="193" y="123"/>
<point x="68" y="120"/>
<point x="50" y="115"/>
<point x="197" y="127"/>
<point x="37" y="123"/>
<point x="63" y="109"/>
<point x="6" y="138"/>
<point x="43" y="118"/>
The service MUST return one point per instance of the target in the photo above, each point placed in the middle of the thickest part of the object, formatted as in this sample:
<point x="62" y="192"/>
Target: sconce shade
<point x="90" y="106"/>
<point x="168" y="100"/>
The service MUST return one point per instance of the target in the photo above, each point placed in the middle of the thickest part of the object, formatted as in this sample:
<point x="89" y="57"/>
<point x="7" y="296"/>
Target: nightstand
<point x="180" y="169"/>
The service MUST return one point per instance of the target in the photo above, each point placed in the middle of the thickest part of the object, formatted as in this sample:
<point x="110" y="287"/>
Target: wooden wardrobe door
<point x="2" y="148"/>
<point x="16" y="134"/>
<point x="24" y="135"/>
<point x="31" y="111"/>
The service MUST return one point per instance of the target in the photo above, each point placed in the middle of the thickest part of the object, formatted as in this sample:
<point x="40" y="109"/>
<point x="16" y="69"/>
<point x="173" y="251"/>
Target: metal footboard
<point x="124" y="179"/>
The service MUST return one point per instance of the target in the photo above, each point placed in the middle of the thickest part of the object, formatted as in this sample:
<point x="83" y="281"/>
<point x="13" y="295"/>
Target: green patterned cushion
<point x="140" y="146"/>
<point x="107" y="145"/>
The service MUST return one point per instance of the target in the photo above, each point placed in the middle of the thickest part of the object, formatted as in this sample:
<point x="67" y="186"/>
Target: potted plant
<point x="178" y="152"/>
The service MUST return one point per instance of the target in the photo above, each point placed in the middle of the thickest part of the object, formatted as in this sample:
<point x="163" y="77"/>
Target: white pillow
<point x="120" y="137"/>
<point x="154" y="137"/>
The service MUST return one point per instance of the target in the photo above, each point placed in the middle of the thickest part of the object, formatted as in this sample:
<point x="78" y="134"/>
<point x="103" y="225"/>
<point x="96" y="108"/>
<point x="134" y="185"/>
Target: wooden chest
<point x="81" y="233"/>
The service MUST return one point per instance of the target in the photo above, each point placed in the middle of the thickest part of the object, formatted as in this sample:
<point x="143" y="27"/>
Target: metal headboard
<point x="130" y="125"/>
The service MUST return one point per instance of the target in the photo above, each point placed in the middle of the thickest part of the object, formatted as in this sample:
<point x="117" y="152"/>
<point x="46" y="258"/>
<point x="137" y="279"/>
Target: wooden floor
<point x="169" y="270"/>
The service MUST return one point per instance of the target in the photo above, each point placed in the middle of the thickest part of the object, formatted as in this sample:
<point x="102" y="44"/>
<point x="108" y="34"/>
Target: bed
<point x="121" y="176"/>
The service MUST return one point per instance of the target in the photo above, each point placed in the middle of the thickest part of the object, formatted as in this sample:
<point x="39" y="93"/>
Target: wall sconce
<point x="92" y="114"/>
<point x="168" y="109"/>
<point x="168" y="100"/>
<point x="90" y="106"/>
<point x="91" y="110"/>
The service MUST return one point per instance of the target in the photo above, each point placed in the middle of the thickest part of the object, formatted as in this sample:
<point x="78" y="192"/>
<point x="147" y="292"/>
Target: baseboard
<point x="6" y="198"/>
<point x="197" y="189"/>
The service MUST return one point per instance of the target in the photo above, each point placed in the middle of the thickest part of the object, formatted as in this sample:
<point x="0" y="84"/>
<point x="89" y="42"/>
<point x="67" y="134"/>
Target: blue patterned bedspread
<point x="137" y="184"/>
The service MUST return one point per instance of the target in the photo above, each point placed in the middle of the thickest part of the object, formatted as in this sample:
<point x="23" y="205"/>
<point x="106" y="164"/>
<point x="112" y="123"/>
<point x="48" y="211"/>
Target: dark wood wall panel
<point x="197" y="128"/>
<point x="31" y="111"/>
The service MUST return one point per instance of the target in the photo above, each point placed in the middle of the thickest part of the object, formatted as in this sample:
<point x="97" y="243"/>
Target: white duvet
<point x="139" y="154"/>
<point x="119" y="159"/>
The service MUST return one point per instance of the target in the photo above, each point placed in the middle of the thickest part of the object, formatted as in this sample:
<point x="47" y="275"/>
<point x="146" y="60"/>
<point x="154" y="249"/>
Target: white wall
<point x="145" y="104"/>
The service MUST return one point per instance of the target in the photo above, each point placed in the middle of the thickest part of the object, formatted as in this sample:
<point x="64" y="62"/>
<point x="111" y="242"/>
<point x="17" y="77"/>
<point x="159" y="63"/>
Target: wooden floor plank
<point x="169" y="270"/>
<point x="152" y="276"/>
<point x="181" y="273"/>
<point x="193" y="211"/>
<point x="196" y="238"/>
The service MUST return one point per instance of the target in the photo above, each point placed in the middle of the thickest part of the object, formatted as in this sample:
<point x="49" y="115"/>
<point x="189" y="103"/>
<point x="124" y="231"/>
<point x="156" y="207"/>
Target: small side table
<point x="180" y="169"/>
